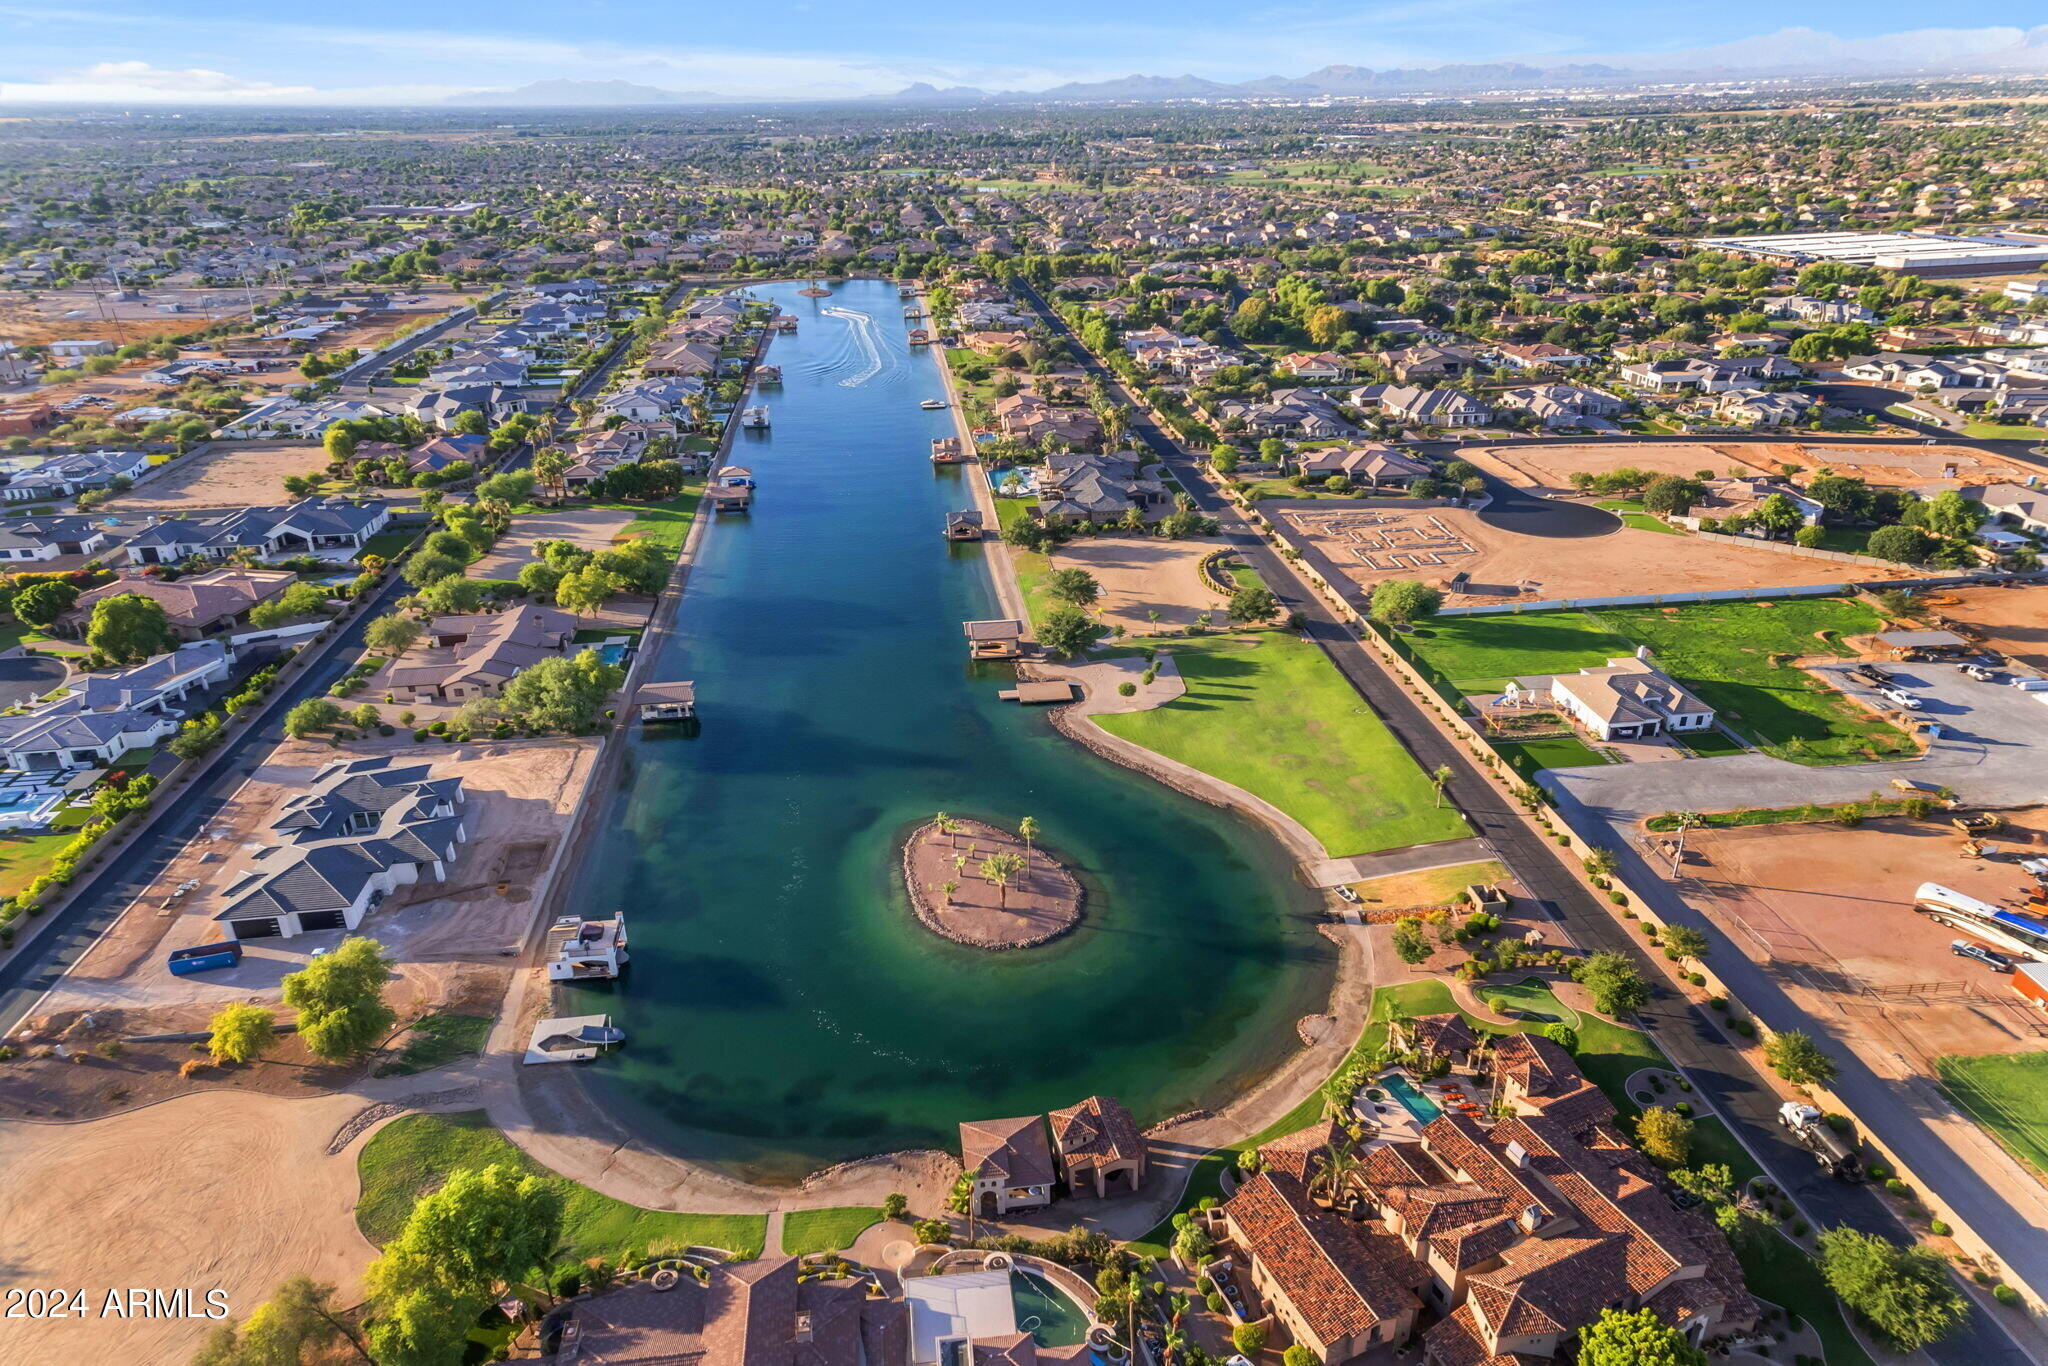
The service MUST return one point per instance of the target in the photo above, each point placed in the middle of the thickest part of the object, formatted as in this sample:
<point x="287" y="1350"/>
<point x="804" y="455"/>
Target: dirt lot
<point x="1436" y="544"/>
<point x="76" y="314"/>
<point x="1552" y="467"/>
<point x="1831" y="910"/>
<point x="223" y="1190"/>
<point x="519" y="796"/>
<point x="1139" y="577"/>
<point x="2014" y="620"/>
<point x="591" y="528"/>
<point x="223" y="474"/>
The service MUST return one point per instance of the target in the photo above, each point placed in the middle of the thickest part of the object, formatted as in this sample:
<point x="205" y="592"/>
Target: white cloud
<point x="141" y="81"/>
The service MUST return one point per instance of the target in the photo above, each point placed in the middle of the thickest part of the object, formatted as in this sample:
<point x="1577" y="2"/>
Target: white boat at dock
<point x="580" y="950"/>
<point x="933" y="404"/>
<point x="754" y="417"/>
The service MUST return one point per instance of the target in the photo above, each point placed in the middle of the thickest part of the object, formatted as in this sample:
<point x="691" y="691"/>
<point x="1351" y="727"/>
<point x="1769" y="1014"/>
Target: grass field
<point x="805" y="1231"/>
<point x="415" y="1155"/>
<point x="2004" y="431"/>
<point x="1720" y="651"/>
<point x="24" y="858"/>
<point x="666" y="524"/>
<point x="1527" y="757"/>
<point x="1530" y="999"/>
<point x="1270" y="714"/>
<point x="1429" y="886"/>
<point x="1630" y="510"/>
<point x="2006" y="1093"/>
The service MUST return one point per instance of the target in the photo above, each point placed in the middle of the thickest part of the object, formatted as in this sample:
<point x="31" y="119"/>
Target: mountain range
<point x="566" y="94"/>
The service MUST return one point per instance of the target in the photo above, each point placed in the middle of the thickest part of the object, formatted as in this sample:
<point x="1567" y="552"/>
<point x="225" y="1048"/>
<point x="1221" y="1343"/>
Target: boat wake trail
<point x="865" y="340"/>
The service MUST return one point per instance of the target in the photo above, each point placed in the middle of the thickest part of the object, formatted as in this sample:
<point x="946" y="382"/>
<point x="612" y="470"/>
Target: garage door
<point x="323" y="920"/>
<point x="264" y="928"/>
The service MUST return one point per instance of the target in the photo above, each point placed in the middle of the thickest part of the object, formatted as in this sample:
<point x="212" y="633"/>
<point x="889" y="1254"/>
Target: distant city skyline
<point x="381" y="52"/>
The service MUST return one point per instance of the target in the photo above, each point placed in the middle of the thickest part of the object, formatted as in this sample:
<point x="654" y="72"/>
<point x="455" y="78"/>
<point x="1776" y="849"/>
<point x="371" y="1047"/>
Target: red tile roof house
<point x="1010" y="1162"/>
<point x="1517" y="1232"/>
<point x="466" y="657"/>
<point x="1099" y="1147"/>
<point x="195" y="606"/>
<point x="1436" y="1036"/>
<point x="744" y="1314"/>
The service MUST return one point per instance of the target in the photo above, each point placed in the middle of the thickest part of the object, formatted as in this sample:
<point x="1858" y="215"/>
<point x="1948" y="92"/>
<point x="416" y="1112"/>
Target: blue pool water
<point x="612" y="653"/>
<point x="1413" y="1101"/>
<point x="998" y="478"/>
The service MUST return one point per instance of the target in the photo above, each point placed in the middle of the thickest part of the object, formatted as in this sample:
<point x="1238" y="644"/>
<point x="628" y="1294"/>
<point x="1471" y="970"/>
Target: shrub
<point x="2006" y="1296"/>
<point x="1126" y="689"/>
<point x="932" y="1231"/>
<point x="1939" y="1228"/>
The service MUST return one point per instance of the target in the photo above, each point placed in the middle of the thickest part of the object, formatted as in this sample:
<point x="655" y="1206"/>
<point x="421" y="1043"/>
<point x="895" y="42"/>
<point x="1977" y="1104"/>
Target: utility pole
<point x="1686" y="820"/>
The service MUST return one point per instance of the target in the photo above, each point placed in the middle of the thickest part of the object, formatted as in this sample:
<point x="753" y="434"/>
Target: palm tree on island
<point x="1027" y="830"/>
<point x="1001" y="869"/>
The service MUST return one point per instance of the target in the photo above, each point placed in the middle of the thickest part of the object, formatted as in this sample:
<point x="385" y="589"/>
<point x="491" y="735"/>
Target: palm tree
<point x="1001" y="869"/>
<point x="1441" y="777"/>
<point x="1333" y="1172"/>
<point x="1601" y="863"/>
<point x="948" y="827"/>
<point x="1027" y="830"/>
<point x="949" y="887"/>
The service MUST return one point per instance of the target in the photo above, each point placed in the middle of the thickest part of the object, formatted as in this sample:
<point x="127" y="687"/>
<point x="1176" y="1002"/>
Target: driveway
<point x="23" y="678"/>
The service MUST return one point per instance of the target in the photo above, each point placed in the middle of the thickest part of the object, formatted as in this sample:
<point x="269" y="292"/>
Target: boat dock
<point x="1039" y="694"/>
<point x="572" y="1038"/>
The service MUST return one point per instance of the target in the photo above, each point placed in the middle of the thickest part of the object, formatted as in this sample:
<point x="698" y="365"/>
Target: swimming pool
<point x="1413" y="1101"/>
<point x="1045" y="1312"/>
<point x="999" y="480"/>
<point x="612" y="652"/>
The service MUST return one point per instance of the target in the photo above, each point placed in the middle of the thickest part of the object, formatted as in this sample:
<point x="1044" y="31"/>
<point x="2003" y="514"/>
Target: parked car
<point x="1991" y="958"/>
<point x="1900" y="698"/>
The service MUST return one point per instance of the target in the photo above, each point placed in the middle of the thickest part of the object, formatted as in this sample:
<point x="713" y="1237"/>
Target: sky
<point x="260" y="52"/>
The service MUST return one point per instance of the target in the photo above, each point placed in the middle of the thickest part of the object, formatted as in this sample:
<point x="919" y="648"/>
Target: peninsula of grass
<point x="1267" y="712"/>
<point x="415" y="1155"/>
<point x="666" y="524"/>
<point x="437" y="1040"/>
<point x="2007" y="1094"/>
<point x="1725" y="653"/>
<point x="805" y="1231"/>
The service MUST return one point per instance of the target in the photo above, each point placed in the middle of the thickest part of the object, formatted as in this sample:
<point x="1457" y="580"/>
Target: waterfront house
<point x="994" y="639"/>
<point x="475" y="655"/>
<point x="756" y="1313"/>
<point x="1009" y="1163"/>
<point x="1099" y="488"/>
<point x="1099" y="1148"/>
<point x="1448" y="1036"/>
<point x="362" y="831"/>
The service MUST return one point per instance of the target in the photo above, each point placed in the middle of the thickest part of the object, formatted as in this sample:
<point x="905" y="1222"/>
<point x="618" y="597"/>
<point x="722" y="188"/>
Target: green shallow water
<point x="784" y="1008"/>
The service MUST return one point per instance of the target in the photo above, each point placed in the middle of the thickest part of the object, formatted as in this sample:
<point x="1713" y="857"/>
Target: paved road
<point x="1718" y="1071"/>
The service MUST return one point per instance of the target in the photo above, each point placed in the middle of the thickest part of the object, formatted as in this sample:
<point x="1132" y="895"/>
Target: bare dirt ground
<point x="222" y="474"/>
<point x="1435" y="544"/>
<point x="224" y="1190"/>
<point x="2014" y="620"/>
<point x="1830" y="910"/>
<point x="1552" y="467"/>
<point x="76" y="314"/>
<point x="590" y="528"/>
<point x="519" y="796"/>
<point x="1143" y="575"/>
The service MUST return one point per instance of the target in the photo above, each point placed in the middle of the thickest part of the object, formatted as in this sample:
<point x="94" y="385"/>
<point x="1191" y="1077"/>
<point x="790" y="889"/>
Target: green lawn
<point x="1269" y="713"/>
<point x="416" y="1154"/>
<point x="1849" y="540"/>
<point x="1721" y="651"/>
<point x="1531" y="999"/>
<point x="1526" y="757"/>
<point x="1711" y="743"/>
<point x="389" y="543"/>
<point x="439" y="1039"/>
<point x="2006" y="1093"/>
<point x="805" y="1231"/>
<point x="665" y="524"/>
<point x="1630" y="510"/>
<point x="24" y="858"/>
<point x="2004" y="431"/>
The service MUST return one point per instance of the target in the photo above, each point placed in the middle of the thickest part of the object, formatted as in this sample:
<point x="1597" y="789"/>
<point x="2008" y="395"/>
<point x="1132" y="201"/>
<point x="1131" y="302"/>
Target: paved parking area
<point x="1995" y="752"/>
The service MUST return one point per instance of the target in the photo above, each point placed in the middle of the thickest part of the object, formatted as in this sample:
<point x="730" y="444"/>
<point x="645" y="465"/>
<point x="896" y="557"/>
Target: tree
<point x="1779" y="515"/>
<point x="299" y="1316"/>
<point x="364" y="717"/>
<point x="1440" y="778"/>
<point x="340" y="444"/>
<point x="1794" y="1056"/>
<point x="1563" y="1035"/>
<point x="1673" y="495"/>
<point x="240" y="1032"/>
<point x="1905" y="1293"/>
<point x="1685" y="941"/>
<point x="1253" y="603"/>
<point x="1298" y="1355"/>
<point x="392" y="635"/>
<point x="1410" y="943"/>
<point x="1067" y="631"/>
<point x="340" y="999"/>
<point x="453" y="595"/>
<point x="1903" y="544"/>
<point x="1074" y="587"/>
<point x="1635" y="1338"/>
<point x="560" y="693"/>
<point x="1027" y="830"/>
<point x="39" y="604"/>
<point x="1664" y="1135"/>
<point x="1249" y="1339"/>
<point x="1403" y="602"/>
<point x="895" y="1205"/>
<point x="549" y="466"/>
<point x="299" y="600"/>
<point x="585" y="590"/>
<point x="470" y="422"/>
<point x="428" y="565"/>
<point x="513" y="486"/>
<point x="128" y="627"/>
<point x="1845" y="498"/>
<point x="1001" y="869"/>
<point x="1617" y="987"/>
<point x="540" y="578"/>
<point x="1953" y="517"/>
<point x="313" y="714"/>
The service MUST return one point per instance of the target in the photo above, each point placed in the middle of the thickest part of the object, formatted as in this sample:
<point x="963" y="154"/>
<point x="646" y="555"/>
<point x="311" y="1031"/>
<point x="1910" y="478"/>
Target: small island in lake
<point x="983" y="886"/>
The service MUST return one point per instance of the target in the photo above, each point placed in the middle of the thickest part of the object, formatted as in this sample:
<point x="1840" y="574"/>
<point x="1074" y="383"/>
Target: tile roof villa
<point x="1010" y="1162"/>
<point x="364" y="829"/>
<point x="477" y="654"/>
<point x="1099" y="1146"/>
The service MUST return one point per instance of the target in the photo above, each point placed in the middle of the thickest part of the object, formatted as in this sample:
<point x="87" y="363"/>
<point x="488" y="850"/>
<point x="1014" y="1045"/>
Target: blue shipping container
<point x="205" y="958"/>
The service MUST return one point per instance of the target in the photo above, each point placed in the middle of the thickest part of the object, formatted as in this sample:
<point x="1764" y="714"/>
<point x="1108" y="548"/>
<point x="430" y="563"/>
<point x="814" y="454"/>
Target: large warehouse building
<point x="1928" y="253"/>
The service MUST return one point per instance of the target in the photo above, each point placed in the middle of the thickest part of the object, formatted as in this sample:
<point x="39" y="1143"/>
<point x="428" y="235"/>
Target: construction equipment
<point x="1976" y="848"/>
<point x="1978" y="822"/>
<point x="1810" y="1127"/>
